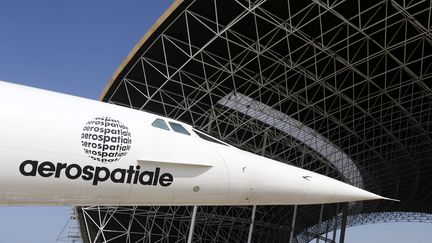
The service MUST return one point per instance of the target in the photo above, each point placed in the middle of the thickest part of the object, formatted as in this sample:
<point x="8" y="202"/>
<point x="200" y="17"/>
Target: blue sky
<point x="74" y="47"/>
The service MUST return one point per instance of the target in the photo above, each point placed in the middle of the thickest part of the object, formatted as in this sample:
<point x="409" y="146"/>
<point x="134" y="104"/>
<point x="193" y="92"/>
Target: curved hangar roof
<point x="341" y="87"/>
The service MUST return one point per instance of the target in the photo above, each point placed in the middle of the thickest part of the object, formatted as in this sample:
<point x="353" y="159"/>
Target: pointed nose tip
<point x="352" y="193"/>
<point x="334" y="191"/>
<point x="372" y="196"/>
<point x="293" y="185"/>
<point x="356" y="194"/>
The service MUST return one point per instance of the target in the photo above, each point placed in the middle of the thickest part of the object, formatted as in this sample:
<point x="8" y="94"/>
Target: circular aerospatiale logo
<point x="105" y="139"/>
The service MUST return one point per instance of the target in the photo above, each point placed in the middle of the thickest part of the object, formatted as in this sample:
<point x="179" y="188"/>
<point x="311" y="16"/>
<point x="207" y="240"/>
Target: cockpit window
<point x="208" y="138"/>
<point x="159" y="123"/>
<point x="178" y="128"/>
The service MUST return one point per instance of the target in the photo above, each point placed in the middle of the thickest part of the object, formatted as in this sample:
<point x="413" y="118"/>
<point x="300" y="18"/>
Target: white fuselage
<point x="58" y="149"/>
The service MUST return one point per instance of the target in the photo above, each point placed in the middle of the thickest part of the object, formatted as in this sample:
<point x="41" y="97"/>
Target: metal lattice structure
<point x="340" y="87"/>
<point x="70" y="232"/>
<point x="324" y="230"/>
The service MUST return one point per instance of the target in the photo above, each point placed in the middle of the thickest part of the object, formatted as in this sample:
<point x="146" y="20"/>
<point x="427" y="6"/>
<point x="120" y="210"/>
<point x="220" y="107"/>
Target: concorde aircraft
<point x="58" y="149"/>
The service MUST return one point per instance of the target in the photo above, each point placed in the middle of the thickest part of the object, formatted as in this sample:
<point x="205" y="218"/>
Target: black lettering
<point x="96" y="174"/>
<point x="59" y="167"/>
<point x="150" y="175"/>
<point x="98" y="177"/>
<point x="68" y="171"/>
<point x="129" y="172"/>
<point x="156" y="177"/>
<point x="88" y="172"/>
<point x="46" y="169"/>
<point x="122" y="173"/>
<point x="105" y="147"/>
<point x="166" y="179"/>
<point x="136" y="177"/>
<point x="32" y="163"/>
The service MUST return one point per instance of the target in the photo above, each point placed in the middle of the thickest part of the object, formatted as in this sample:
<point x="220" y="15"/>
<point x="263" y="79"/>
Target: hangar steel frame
<point x="340" y="87"/>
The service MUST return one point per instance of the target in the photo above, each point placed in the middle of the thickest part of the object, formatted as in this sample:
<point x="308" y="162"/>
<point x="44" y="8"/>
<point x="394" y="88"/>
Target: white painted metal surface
<point x="64" y="150"/>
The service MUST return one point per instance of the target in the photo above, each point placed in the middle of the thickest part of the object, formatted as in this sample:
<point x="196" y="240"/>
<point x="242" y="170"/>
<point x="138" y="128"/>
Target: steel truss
<point x="360" y="219"/>
<point x="357" y="73"/>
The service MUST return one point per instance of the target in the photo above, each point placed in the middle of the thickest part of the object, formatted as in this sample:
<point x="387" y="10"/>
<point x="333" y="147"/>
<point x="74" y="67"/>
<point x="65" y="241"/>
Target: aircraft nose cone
<point x="293" y="185"/>
<point x="323" y="188"/>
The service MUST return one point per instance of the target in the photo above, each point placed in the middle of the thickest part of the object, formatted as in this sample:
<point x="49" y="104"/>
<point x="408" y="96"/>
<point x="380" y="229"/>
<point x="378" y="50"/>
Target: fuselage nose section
<point x="325" y="189"/>
<point x="277" y="183"/>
